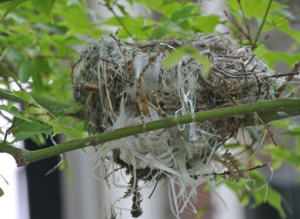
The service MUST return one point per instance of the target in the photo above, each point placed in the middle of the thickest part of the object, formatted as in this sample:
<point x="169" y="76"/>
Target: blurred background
<point x="32" y="195"/>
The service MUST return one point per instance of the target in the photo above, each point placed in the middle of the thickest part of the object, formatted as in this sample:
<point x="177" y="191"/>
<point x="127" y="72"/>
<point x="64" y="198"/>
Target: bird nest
<point x="126" y="85"/>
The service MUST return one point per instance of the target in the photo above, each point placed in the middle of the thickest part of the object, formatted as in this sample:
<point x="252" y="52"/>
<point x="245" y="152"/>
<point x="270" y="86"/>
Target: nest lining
<point x="126" y="85"/>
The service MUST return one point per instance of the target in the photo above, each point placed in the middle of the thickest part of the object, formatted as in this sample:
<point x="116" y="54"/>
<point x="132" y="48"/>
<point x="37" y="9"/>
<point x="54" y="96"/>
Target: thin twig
<point x="94" y="86"/>
<point x="73" y="67"/>
<point x="153" y="189"/>
<point x="230" y="169"/>
<point x="287" y="80"/>
<point x="237" y="25"/>
<point x="286" y="18"/>
<point x="293" y="92"/>
<point x="108" y="61"/>
<point x="266" y="127"/>
<point x="228" y="172"/>
<point x="120" y="21"/>
<point x="247" y="26"/>
<point x="11" y="129"/>
<point x="122" y="51"/>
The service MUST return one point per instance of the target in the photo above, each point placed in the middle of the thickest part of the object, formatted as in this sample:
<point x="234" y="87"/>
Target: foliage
<point x="38" y="47"/>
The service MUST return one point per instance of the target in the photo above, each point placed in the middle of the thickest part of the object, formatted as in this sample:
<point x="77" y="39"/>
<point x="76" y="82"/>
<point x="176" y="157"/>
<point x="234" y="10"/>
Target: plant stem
<point x="262" y="25"/>
<point x="265" y="110"/>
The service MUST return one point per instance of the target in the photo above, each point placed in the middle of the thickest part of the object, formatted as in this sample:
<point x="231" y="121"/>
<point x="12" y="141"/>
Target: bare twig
<point x="246" y="24"/>
<point x="153" y="189"/>
<point x="94" y="86"/>
<point x="287" y="80"/>
<point x="11" y="129"/>
<point x="228" y="172"/>
<point x="107" y="4"/>
<point x="266" y="127"/>
<point x="108" y="61"/>
<point x="293" y="92"/>
<point x="237" y="25"/>
<point x="72" y="71"/>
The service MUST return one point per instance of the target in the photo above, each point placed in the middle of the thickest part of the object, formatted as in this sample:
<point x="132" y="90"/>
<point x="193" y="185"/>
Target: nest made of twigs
<point x="126" y="85"/>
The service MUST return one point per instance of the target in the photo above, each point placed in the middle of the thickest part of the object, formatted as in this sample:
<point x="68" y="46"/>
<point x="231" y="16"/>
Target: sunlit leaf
<point x="206" y="23"/>
<point x="175" y="56"/>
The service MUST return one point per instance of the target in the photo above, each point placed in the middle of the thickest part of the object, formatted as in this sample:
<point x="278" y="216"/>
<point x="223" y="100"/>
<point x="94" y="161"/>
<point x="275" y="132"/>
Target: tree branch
<point x="263" y="108"/>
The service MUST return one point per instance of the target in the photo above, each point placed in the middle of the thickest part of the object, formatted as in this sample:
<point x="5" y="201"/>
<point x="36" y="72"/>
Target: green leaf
<point x="293" y="160"/>
<point x="1" y="192"/>
<point x="274" y="199"/>
<point x="273" y="57"/>
<point x="282" y="123"/>
<point x="185" y="12"/>
<point x="44" y="7"/>
<point x="175" y="56"/>
<point x="65" y="165"/>
<point x="83" y="149"/>
<point x="294" y="131"/>
<point x="1" y="1"/>
<point x="60" y="128"/>
<point x="204" y="209"/>
<point x="133" y="25"/>
<point x="51" y="28"/>
<point x="25" y="71"/>
<point x="83" y="4"/>
<point x="26" y="96"/>
<point x="206" y="23"/>
<point x="40" y="66"/>
<point x="75" y="20"/>
<point x="256" y="8"/>
<point x="10" y="6"/>
<point x="27" y="130"/>
<point x="298" y="144"/>
<point x="122" y="9"/>
<point x="14" y="111"/>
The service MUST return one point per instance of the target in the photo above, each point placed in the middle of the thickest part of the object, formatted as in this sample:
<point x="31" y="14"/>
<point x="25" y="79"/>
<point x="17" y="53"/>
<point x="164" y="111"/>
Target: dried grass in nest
<point x="126" y="85"/>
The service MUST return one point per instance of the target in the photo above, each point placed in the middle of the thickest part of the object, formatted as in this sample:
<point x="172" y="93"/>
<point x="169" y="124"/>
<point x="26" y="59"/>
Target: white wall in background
<point x="232" y="209"/>
<point x="14" y="202"/>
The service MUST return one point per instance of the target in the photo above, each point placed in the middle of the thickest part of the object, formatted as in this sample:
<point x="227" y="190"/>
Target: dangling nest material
<point x="126" y="85"/>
